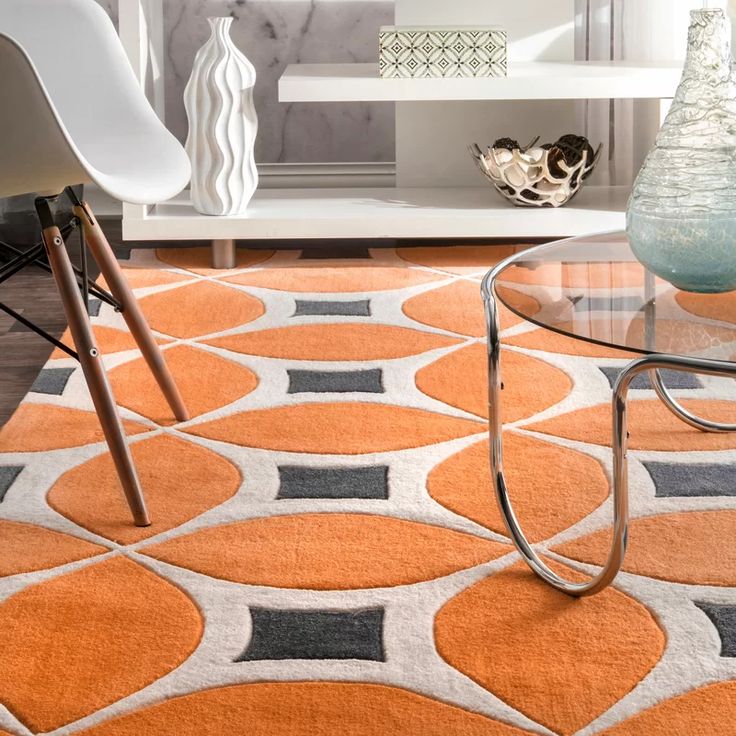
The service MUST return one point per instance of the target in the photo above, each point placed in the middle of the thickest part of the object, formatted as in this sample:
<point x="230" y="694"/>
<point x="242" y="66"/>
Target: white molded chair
<point x="72" y="113"/>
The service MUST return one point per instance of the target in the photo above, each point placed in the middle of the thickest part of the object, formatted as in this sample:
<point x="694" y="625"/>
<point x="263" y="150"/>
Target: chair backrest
<point x="35" y="155"/>
<point x="72" y="105"/>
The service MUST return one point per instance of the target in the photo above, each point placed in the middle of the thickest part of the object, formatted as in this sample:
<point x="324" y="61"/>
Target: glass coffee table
<point x="593" y="289"/>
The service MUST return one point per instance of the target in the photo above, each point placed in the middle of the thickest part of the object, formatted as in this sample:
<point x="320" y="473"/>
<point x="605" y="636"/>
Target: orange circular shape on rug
<point x="180" y="480"/>
<point x="41" y="427"/>
<point x="708" y="711"/>
<point x="347" y="342"/>
<point x="143" y="278"/>
<point x="327" y="551"/>
<point x="721" y="307"/>
<point x="27" y="548"/>
<point x="206" y="382"/>
<point x="651" y="426"/>
<point x="671" y="337"/>
<point x="76" y="643"/>
<point x="551" y="487"/>
<point x="561" y="661"/>
<point x="691" y="547"/>
<point x="345" y="278"/>
<point x="680" y="337"/>
<point x="549" y="341"/>
<point x="460" y="379"/>
<point x="304" y="709"/>
<point x="350" y="428"/>
<point x="459" y="259"/>
<point x="517" y="300"/>
<point x="579" y="275"/>
<point x="459" y="308"/>
<point x="199" y="309"/>
<point x="199" y="260"/>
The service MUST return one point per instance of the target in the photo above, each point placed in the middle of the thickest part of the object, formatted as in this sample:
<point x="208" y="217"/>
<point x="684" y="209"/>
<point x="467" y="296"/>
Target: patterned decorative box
<point x="433" y="51"/>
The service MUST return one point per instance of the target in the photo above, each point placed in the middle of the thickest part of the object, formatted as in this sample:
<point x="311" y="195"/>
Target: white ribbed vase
<point x="222" y="125"/>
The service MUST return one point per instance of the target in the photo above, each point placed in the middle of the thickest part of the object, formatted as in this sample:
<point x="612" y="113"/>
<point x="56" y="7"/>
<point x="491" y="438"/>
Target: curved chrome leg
<point x="704" y="425"/>
<point x="604" y="578"/>
<point x="620" y="436"/>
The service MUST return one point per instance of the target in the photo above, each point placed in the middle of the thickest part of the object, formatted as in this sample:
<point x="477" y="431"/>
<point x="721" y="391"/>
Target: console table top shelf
<point x="533" y="80"/>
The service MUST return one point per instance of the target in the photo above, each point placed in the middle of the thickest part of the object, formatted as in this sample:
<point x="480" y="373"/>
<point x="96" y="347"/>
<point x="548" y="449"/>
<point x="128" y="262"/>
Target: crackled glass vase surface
<point x="681" y="219"/>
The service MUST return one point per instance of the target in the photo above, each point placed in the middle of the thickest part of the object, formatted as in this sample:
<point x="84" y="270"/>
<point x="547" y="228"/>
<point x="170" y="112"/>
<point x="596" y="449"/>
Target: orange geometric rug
<point x="325" y="555"/>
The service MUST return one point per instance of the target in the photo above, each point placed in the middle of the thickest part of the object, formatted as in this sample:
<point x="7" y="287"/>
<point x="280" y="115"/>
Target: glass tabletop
<point x="592" y="288"/>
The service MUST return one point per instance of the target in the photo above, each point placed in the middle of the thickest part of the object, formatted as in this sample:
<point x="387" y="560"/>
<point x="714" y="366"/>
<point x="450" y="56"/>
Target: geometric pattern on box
<point x="442" y="52"/>
<point x="322" y="562"/>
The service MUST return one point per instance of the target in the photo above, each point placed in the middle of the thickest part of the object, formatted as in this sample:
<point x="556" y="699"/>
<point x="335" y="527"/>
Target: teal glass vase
<point x="681" y="218"/>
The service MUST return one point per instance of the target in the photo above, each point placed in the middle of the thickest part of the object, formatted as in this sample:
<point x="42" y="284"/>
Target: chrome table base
<point x="651" y="364"/>
<point x="705" y="425"/>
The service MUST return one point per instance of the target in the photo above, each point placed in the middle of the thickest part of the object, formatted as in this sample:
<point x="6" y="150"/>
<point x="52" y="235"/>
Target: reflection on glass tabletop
<point x="592" y="288"/>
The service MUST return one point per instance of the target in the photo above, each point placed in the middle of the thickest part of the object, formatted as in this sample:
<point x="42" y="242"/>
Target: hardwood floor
<point x="33" y="294"/>
<point x="23" y="353"/>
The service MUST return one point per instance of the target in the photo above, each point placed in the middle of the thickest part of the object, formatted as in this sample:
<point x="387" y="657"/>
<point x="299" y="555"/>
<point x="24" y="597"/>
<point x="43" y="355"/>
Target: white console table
<point x="438" y="192"/>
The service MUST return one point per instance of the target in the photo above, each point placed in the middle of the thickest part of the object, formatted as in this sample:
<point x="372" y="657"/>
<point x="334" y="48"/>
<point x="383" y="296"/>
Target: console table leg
<point x="223" y="254"/>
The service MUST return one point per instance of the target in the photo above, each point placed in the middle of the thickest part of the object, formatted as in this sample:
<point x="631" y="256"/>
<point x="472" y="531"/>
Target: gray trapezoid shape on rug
<point x="723" y="617"/>
<point x="338" y="382"/>
<point x="692" y="480"/>
<point x="609" y="304"/>
<point x="316" y="634"/>
<point x="52" y="381"/>
<point x="8" y="475"/>
<point x="94" y="307"/>
<point x="672" y="379"/>
<point x="349" y="482"/>
<point x="312" y="308"/>
<point x="332" y="252"/>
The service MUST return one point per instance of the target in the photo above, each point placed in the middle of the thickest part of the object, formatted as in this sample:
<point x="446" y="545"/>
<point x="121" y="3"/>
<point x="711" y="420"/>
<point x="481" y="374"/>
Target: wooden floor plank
<point x="23" y="353"/>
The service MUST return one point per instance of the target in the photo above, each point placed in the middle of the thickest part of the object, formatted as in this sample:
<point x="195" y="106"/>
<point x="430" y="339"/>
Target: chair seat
<point x="136" y="168"/>
<point x="78" y="114"/>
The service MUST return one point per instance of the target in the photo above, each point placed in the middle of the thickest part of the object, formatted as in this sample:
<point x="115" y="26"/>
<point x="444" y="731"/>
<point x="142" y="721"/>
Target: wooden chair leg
<point x="132" y="313"/>
<point x="94" y="373"/>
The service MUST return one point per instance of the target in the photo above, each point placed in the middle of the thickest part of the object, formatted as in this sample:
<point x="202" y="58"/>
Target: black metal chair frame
<point x="15" y="259"/>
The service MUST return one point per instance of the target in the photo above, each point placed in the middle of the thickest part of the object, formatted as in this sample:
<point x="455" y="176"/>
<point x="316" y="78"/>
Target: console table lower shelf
<point x="383" y="212"/>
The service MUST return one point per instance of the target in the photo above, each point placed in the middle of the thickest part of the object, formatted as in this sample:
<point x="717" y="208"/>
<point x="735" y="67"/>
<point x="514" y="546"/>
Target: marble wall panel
<point x="272" y="34"/>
